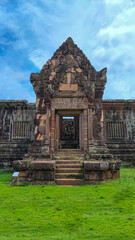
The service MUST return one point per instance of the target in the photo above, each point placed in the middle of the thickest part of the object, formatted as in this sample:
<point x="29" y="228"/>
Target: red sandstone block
<point x="23" y="174"/>
<point x="101" y="175"/>
<point x="115" y="174"/>
<point x="108" y="175"/>
<point x="90" y="166"/>
<point x="91" y="176"/>
<point x="43" y="175"/>
<point x="43" y="165"/>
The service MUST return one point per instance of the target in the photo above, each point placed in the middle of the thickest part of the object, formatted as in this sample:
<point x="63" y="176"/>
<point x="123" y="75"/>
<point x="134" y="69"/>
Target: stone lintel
<point x="70" y="103"/>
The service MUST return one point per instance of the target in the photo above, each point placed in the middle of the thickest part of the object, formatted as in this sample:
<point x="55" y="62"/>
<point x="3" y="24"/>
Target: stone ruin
<point x="69" y="146"/>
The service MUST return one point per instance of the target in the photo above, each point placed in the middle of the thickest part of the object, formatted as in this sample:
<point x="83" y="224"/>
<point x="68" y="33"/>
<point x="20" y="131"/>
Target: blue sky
<point x="31" y="30"/>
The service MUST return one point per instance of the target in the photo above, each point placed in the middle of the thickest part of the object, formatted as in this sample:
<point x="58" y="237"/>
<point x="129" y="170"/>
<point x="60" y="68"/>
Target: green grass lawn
<point x="105" y="211"/>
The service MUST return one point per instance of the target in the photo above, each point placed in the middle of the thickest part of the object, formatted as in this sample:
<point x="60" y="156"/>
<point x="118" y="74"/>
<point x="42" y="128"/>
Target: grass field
<point x="105" y="211"/>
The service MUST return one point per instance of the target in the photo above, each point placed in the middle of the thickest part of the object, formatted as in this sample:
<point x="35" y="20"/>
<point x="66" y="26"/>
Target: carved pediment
<point x="69" y="70"/>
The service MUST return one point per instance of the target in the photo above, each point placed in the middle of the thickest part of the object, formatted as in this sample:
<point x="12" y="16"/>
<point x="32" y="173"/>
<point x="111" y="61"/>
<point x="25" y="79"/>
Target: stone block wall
<point x="16" y="130"/>
<point x="99" y="171"/>
<point x="119" y="128"/>
<point x="41" y="171"/>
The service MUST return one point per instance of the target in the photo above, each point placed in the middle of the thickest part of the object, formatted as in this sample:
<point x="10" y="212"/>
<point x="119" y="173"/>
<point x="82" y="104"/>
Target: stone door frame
<point x="85" y="127"/>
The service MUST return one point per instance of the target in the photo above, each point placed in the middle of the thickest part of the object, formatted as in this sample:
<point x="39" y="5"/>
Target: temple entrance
<point x="68" y="129"/>
<point x="69" y="134"/>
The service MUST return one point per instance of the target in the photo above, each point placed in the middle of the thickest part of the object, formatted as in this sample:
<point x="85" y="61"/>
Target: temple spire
<point x="69" y="40"/>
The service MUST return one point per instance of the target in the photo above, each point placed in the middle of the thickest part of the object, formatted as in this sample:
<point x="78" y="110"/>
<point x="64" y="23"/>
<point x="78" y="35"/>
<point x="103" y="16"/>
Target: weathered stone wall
<point x="119" y="128"/>
<point x="120" y="114"/>
<point x="16" y="130"/>
<point x="42" y="171"/>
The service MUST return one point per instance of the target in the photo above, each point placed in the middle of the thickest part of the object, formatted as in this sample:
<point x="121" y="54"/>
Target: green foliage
<point x="105" y="211"/>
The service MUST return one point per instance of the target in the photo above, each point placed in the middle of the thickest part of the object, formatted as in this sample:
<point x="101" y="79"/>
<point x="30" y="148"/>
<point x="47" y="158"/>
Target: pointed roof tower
<point x="69" y="66"/>
<point x="69" y="47"/>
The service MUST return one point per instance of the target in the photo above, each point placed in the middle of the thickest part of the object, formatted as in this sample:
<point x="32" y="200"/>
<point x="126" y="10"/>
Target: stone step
<point x="69" y="170"/>
<point x="34" y="150"/>
<point x="7" y="146"/>
<point x="15" y="143"/>
<point x="97" y="156"/>
<point x="125" y="154"/>
<point x="13" y="150"/>
<point x="69" y="182"/>
<point x="11" y="156"/>
<point x="119" y="150"/>
<point x="121" y="146"/>
<point x="69" y="176"/>
<point x="69" y="165"/>
<point x="66" y="161"/>
<point x="70" y="150"/>
<point x="68" y="157"/>
<point x="125" y="157"/>
<point x="39" y="155"/>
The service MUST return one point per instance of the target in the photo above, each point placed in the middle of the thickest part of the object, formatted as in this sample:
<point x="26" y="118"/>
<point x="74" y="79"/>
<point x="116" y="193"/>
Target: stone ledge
<point x="43" y="165"/>
<point x="101" y="165"/>
<point x="118" y="100"/>
<point x="23" y="165"/>
<point x="99" y="176"/>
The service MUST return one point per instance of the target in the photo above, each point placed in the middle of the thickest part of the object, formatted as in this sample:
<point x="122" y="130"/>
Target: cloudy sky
<point x="31" y="30"/>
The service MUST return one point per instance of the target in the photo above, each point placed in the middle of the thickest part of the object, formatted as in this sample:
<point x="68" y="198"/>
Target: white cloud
<point x="15" y="85"/>
<point x="114" y="2"/>
<point x="115" y="47"/>
<point x="103" y="29"/>
<point x="39" y="57"/>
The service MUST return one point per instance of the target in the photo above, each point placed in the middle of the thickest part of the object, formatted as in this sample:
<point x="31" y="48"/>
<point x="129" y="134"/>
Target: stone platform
<point x="67" y="168"/>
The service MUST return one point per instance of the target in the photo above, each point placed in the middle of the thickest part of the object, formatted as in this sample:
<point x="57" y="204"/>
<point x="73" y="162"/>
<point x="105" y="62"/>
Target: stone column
<point x="85" y="117"/>
<point x="90" y="126"/>
<point x="52" y="130"/>
<point x="76" y="119"/>
<point x="80" y="131"/>
<point x="57" y="132"/>
<point x="48" y="126"/>
<point x="102" y="126"/>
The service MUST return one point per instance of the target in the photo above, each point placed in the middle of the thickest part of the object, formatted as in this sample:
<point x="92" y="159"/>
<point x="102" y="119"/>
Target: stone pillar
<point x="80" y="131"/>
<point x="85" y="117"/>
<point x="48" y="126"/>
<point x="76" y="119"/>
<point x="102" y="126"/>
<point x="90" y="126"/>
<point x="57" y="132"/>
<point x="52" y="130"/>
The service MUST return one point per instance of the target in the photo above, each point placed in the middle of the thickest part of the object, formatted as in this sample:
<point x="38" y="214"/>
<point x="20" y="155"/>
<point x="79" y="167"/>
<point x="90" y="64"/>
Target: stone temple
<point x="71" y="136"/>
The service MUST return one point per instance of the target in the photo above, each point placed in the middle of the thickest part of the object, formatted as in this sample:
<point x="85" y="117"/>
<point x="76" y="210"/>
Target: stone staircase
<point x="69" y="167"/>
<point x="125" y="151"/>
<point x="12" y="150"/>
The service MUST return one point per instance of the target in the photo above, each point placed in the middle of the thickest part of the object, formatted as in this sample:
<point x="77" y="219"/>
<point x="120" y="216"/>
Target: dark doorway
<point x="69" y="132"/>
